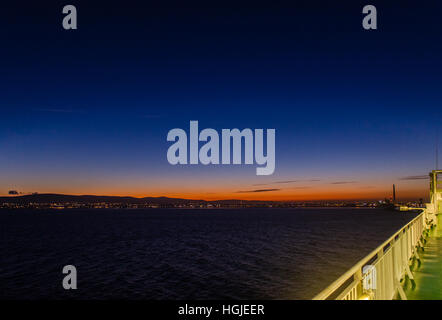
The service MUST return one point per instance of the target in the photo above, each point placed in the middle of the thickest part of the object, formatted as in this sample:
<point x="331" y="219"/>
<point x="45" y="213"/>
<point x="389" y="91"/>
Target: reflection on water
<point x="186" y="254"/>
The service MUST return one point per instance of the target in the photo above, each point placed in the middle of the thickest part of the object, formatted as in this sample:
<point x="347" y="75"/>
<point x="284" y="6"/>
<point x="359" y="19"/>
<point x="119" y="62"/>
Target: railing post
<point x="359" y="289"/>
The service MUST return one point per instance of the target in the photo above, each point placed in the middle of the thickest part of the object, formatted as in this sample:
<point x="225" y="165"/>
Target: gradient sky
<point x="88" y="111"/>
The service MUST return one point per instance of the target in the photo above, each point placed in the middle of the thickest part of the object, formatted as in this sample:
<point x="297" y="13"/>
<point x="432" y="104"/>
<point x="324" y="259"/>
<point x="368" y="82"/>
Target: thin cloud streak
<point x="421" y="177"/>
<point x="257" y="190"/>
<point x="57" y="110"/>
<point x="285" y="181"/>
<point x="343" y="182"/>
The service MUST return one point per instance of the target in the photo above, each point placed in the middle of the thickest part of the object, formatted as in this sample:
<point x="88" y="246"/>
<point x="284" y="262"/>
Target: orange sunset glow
<point x="321" y="190"/>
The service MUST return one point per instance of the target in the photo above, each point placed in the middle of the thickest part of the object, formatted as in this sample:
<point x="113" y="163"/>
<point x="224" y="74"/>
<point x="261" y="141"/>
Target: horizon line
<point x="199" y="199"/>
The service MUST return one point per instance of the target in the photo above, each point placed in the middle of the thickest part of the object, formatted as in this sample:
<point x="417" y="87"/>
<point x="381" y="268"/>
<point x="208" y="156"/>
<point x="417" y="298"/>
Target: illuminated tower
<point x="436" y="190"/>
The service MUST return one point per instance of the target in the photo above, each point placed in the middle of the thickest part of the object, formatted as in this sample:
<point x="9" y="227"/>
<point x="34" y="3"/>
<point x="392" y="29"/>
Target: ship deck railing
<point x="378" y="276"/>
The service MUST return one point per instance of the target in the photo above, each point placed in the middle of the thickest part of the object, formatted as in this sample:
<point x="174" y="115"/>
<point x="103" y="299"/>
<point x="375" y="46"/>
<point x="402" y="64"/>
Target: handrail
<point x="338" y="283"/>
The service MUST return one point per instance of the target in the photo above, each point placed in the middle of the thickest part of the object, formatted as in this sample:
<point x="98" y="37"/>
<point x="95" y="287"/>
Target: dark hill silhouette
<point x="63" y="198"/>
<point x="49" y="198"/>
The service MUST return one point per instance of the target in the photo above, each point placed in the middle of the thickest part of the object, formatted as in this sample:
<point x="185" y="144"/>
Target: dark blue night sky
<point x="88" y="110"/>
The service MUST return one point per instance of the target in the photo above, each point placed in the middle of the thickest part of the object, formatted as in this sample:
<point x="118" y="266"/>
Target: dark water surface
<point x="186" y="254"/>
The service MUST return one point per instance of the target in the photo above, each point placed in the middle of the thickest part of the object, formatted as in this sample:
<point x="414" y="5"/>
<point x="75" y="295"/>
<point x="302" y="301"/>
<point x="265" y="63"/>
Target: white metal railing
<point x="378" y="275"/>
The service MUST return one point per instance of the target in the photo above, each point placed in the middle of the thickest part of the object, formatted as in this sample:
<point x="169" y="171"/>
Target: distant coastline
<point x="62" y="201"/>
